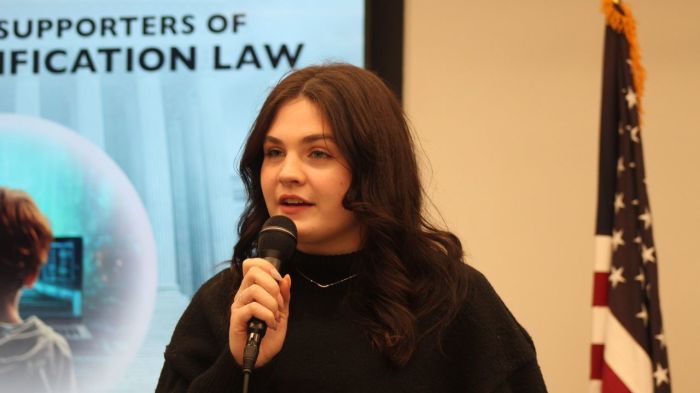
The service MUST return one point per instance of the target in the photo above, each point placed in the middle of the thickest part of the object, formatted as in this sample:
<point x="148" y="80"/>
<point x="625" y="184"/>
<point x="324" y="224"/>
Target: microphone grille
<point x="278" y="236"/>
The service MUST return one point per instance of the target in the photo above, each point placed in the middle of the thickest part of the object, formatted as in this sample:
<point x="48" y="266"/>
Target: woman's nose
<point x="292" y="170"/>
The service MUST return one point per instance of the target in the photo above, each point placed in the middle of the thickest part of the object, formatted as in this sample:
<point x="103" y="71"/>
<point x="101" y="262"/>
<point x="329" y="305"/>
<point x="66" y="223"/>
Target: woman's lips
<point x="291" y="204"/>
<point x="293" y="209"/>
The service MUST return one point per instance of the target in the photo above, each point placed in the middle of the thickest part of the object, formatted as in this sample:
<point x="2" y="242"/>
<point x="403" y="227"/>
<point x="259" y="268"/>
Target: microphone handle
<point x="255" y="325"/>
<point x="256" y="331"/>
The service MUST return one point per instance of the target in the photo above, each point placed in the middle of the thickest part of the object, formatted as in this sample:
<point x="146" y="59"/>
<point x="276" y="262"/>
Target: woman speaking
<point x="375" y="298"/>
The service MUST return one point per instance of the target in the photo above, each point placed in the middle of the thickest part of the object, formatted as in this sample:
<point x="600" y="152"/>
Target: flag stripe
<point x="600" y="289"/>
<point x="611" y="383"/>
<point x="597" y="361"/>
<point x="600" y="314"/>
<point x="623" y="355"/>
<point x="603" y="253"/>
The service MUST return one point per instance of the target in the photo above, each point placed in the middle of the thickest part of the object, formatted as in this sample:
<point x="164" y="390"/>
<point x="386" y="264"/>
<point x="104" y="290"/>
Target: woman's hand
<point x="265" y="295"/>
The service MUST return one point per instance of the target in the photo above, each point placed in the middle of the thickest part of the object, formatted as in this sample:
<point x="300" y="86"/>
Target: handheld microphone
<point x="277" y="241"/>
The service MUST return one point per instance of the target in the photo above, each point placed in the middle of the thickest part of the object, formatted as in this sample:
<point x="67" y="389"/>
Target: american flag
<point x="628" y="352"/>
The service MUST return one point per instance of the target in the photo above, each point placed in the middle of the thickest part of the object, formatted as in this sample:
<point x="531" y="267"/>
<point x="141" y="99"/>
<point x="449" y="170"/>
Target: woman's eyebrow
<point x="316" y="137"/>
<point x="272" y="139"/>
<point x="305" y="140"/>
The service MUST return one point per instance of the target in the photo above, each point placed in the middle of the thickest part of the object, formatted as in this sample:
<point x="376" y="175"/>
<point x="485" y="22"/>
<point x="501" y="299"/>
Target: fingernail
<point x="275" y="274"/>
<point x="278" y="316"/>
<point x="280" y="301"/>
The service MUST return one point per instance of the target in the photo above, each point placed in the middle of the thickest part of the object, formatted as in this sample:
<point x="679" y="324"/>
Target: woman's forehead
<point x="299" y="119"/>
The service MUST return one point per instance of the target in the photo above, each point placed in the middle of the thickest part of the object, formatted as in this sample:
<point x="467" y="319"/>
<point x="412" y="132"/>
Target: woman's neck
<point x="326" y="268"/>
<point x="9" y="310"/>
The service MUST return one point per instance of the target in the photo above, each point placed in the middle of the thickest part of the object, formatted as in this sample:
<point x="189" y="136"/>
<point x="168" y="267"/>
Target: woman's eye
<point x="273" y="153"/>
<point x="319" y="154"/>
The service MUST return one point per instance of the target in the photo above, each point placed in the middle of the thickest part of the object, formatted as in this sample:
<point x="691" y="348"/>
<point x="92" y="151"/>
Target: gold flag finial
<point x="621" y="20"/>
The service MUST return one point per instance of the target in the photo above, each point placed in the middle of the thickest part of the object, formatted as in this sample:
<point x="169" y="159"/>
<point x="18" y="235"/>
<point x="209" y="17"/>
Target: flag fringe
<point x="619" y="17"/>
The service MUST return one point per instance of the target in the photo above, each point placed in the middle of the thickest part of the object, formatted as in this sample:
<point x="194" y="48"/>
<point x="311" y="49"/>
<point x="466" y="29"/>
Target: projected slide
<point x="166" y="92"/>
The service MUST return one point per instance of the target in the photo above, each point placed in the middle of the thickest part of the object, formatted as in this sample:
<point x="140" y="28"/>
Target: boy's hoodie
<point x="34" y="358"/>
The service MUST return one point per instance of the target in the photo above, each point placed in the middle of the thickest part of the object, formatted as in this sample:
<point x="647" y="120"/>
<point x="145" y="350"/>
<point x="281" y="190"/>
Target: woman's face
<point x="305" y="177"/>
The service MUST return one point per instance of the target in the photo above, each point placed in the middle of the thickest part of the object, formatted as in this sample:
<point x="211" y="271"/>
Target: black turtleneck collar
<point x="323" y="268"/>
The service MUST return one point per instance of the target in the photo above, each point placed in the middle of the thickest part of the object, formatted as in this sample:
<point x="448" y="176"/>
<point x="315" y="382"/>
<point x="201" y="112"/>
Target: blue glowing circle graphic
<point x="86" y="195"/>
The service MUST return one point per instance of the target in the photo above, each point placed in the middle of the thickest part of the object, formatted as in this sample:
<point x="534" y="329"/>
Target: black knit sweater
<point x="483" y="350"/>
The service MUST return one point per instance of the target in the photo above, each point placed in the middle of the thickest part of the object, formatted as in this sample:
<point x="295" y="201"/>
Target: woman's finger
<point x="258" y="276"/>
<point x="241" y="315"/>
<point x="257" y="294"/>
<point x="263" y="264"/>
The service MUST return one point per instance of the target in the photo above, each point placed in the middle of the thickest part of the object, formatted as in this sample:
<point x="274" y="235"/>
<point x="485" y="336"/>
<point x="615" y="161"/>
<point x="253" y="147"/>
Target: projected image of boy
<point x="33" y="358"/>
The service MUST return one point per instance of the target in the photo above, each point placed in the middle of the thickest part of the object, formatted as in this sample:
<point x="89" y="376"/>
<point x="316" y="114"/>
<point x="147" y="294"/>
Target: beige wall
<point x="505" y="98"/>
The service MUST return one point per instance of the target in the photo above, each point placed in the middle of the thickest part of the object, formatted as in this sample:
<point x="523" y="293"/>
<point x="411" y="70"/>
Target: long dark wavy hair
<point x="411" y="273"/>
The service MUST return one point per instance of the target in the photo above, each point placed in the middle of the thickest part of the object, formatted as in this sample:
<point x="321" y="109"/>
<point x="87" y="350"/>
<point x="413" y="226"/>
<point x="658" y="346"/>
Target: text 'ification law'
<point x="101" y="45"/>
